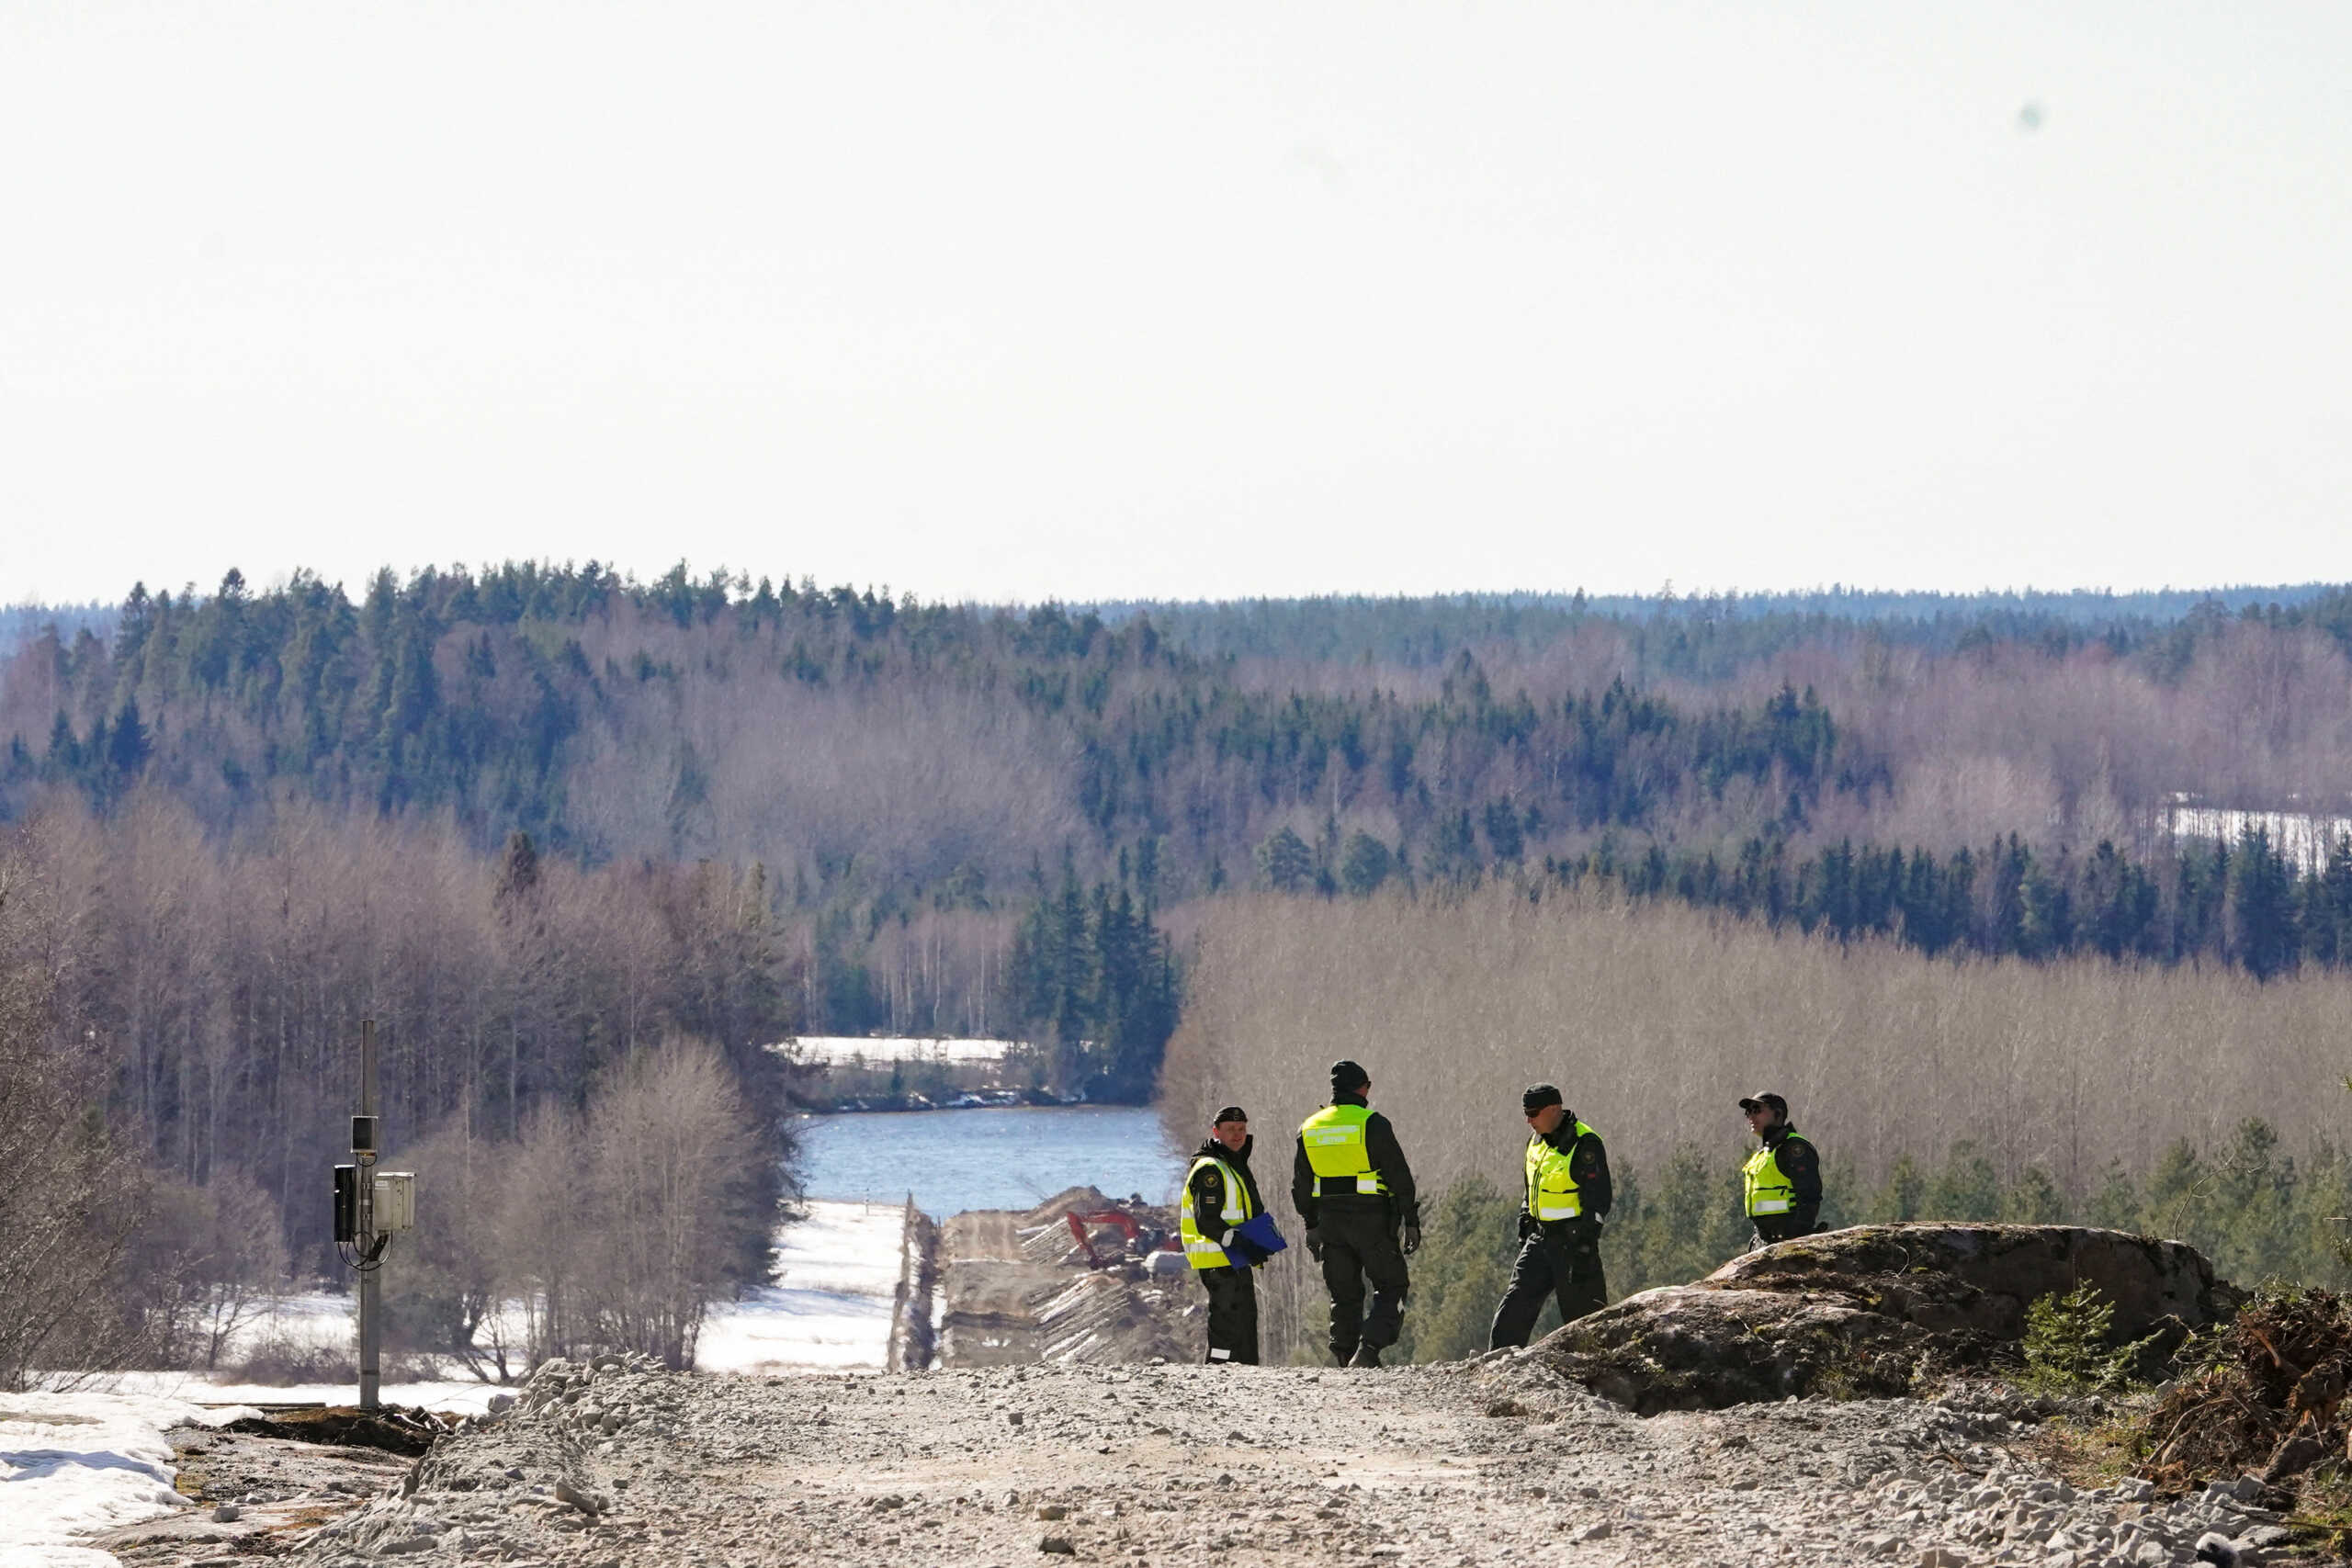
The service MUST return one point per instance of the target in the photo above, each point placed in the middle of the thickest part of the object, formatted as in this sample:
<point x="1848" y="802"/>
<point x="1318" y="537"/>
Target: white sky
<point x="1010" y="300"/>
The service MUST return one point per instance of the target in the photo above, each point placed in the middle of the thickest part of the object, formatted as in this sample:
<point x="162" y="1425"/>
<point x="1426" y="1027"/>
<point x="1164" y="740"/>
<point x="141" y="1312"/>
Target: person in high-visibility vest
<point x="1351" y="1186"/>
<point x="1220" y="1194"/>
<point x="1781" y="1184"/>
<point x="1566" y="1197"/>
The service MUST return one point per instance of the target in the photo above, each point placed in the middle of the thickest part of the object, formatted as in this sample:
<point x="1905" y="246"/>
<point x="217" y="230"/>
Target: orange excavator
<point x="1127" y="1227"/>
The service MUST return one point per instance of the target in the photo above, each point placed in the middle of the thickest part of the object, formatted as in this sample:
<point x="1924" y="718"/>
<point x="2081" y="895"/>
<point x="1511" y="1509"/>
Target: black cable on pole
<point x="364" y="1262"/>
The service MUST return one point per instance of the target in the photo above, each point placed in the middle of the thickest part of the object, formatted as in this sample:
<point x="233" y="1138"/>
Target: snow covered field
<point x="828" y="1307"/>
<point x="2303" y="840"/>
<point x="855" y="1050"/>
<point x="829" y="1310"/>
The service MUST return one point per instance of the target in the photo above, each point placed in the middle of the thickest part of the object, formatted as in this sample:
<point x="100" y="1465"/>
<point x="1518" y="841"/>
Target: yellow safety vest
<point x="1768" y="1188"/>
<point x="1336" y="1152"/>
<point x="1551" y="1188"/>
<point x="1199" y="1250"/>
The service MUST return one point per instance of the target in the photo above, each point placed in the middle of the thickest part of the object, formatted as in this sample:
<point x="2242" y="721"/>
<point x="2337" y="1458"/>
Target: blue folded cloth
<point x="1257" y="1235"/>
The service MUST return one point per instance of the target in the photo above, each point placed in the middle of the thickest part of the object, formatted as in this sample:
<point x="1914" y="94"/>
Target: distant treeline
<point x="2244" y="904"/>
<point x="1713" y="636"/>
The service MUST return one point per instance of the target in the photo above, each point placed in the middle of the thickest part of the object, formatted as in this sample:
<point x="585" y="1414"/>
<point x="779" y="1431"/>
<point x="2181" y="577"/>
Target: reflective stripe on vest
<point x="1766" y="1185"/>
<point x="1199" y="1250"/>
<point x="1551" y="1186"/>
<point x="1335" y="1151"/>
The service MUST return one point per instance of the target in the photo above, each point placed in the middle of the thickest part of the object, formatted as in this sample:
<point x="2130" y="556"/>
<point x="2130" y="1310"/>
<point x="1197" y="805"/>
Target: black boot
<point x="1365" y="1356"/>
<point x="1339" y="1357"/>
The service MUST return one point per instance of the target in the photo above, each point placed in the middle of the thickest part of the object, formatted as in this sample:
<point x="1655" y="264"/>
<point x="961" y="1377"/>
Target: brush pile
<point x="2262" y="1396"/>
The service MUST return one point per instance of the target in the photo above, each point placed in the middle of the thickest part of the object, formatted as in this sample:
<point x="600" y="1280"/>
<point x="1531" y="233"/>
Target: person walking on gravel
<point x="1354" y="1191"/>
<point x="1782" y="1181"/>
<point x="1220" y="1196"/>
<point x="1567" y="1196"/>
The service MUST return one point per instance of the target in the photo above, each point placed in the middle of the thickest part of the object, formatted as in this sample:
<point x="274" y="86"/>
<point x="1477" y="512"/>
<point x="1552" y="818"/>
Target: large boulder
<point x="1875" y="1310"/>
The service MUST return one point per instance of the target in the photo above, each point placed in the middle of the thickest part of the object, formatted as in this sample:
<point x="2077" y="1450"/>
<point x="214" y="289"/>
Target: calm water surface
<point x="1009" y="1158"/>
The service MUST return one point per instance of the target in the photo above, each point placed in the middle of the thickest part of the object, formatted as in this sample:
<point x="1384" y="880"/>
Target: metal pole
<point x="371" y="1327"/>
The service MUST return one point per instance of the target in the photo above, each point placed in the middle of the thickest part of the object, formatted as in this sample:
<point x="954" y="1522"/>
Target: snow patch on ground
<point x="74" y="1464"/>
<point x="460" y="1397"/>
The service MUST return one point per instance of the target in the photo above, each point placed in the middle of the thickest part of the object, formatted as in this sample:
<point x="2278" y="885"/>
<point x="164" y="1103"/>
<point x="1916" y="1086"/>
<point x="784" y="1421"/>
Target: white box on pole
<point x="395" y="1201"/>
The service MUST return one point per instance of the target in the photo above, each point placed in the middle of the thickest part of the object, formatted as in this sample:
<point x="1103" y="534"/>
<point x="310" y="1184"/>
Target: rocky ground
<point x="1733" y="1437"/>
<point x="253" y="1491"/>
<point x="1494" y="1461"/>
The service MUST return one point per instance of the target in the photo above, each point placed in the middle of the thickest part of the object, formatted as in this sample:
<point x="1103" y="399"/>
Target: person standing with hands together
<point x="1569" y="1195"/>
<point x="1220" y="1196"/>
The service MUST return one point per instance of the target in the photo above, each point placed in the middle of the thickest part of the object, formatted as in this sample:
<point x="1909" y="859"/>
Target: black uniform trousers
<point x="1567" y="1266"/>
<point x="1771" y="1228"/>
<point x="1233" y="1314"/>
<point x="1360" y="1245"/>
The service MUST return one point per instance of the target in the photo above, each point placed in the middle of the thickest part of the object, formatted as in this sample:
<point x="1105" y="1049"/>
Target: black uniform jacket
<point x="1800" y="1163"/>
<point x="1388" y="1157"/>
<point x="1205" y="1191"/>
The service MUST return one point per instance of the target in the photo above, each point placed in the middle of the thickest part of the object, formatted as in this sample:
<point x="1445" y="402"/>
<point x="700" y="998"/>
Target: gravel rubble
<point x="1493" y="1460"/>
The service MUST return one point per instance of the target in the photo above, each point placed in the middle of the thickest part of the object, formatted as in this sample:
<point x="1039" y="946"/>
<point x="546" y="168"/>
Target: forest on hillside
<point x="894" y="751"/>
<point x="549" y="825"/>
<point x="1996" y="773"/>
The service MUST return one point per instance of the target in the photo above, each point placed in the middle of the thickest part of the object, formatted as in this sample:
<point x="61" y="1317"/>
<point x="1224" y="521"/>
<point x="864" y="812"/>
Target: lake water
<point x="1009" y="1158"/>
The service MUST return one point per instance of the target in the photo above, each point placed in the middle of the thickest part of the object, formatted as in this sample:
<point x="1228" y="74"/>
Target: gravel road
<point x="1491" y="1461"/>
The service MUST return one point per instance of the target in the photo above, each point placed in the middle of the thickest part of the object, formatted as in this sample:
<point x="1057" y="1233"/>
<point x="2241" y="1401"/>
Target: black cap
<point x="1347" y="1076"/>
<point x="1759" y="1101"/>
<point x="1230" y="1114"/>
<point x="1538" y="1096"/>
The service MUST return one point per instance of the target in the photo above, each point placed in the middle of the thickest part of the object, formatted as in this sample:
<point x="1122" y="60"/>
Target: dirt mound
<point x="1069" y="1201"/>
<point x="2264" y="1397"/>
<point x="1873" y="1311"/>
